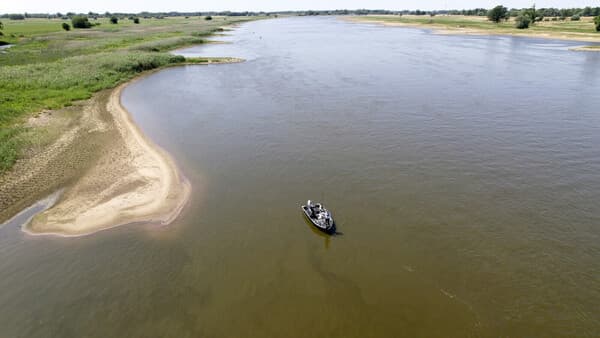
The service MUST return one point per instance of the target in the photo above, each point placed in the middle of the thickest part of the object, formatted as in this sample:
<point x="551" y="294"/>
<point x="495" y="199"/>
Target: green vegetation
<point x="498" y="14"/>
<point x="575" y="17"/>
<point x="583" y="29"/>
<point x="114" y="20"/>
<point x="597" y="23"/>
<point x="16" y="16"/>
<point x="522" y="21"/>
<point x="208" y="18"/>
<point x="528" y="13"/>
<point x="66" y="26"/>
<point x="136" y="20"/>
<point x="81" y="21"/>
<point x="48" y="68"/>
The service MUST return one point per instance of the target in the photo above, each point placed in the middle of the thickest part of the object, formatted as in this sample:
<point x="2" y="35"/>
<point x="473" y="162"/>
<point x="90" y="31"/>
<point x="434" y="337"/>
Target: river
<point x="463" y="173"/>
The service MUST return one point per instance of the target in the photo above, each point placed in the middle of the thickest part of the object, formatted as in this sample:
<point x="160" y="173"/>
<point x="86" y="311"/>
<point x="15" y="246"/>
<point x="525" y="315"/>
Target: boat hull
<point x="328" y="230"/>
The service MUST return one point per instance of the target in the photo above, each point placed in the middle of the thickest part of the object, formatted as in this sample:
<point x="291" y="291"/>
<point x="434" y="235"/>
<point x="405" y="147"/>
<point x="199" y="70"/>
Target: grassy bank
<point x="582" y="30"/>
<point x="49" y="68"/>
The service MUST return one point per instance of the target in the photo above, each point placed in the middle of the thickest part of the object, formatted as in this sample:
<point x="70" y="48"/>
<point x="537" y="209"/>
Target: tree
<point x="531" y="13"/>
<point x="497" y="14"/>
<point x="114" y="20"/>
<point x="80" y="21"/>
<point x="136" y="20"/>
<point x="208" y="18"/>
<point x="575" y="17"/>
<point x="596" y="22"/>
<point x="16" y="16"/>
<point x="66" y="26"/>
<point x="522" y="21"/>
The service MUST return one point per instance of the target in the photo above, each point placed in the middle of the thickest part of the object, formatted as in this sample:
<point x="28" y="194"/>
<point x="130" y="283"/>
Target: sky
<point x="83" y="6"/>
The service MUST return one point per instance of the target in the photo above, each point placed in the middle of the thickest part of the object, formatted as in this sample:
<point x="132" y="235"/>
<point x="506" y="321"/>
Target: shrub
<point x="597" y="23"/>
<point x="80" y="21"/>
<point x="114" y="20"/>
<point x="16" y="16"/>
<point x="497" y="14"/>
<point x="1" y="26"/>
<point x="66" y="26"/>
<point x="208" y="18"/>
<point x="522" y="22"/>
<point x="136" y="20"/>
<point x="575" y="17"/>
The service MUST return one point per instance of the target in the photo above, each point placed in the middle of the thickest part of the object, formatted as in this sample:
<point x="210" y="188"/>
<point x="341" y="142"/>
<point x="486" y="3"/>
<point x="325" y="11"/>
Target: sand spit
<point x="132" y="181"/>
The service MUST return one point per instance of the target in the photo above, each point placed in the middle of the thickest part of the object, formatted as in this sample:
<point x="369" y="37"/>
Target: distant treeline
<point x="546" y="12"/>
<point x="146" y="15"/>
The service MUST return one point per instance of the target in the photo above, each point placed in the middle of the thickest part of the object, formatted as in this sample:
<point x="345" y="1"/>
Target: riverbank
<point x="109" y="172"/>
<point x="48" y="70"/>
<point x="582" y="30"/>
<point x="134" y="182"/>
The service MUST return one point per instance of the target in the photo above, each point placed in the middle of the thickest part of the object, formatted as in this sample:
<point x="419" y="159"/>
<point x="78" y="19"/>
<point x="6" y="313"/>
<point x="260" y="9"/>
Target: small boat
<point x="319" y="217"/>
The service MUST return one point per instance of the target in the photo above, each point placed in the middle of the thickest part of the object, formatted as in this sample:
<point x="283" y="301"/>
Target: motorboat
<point x="319" y="216"/>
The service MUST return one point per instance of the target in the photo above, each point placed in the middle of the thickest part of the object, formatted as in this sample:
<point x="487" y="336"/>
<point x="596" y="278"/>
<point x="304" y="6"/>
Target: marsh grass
<point x="49" y="68"/>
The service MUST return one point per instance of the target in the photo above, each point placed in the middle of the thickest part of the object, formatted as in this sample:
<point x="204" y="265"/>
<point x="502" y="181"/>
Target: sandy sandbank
<point x="133" y="181"/>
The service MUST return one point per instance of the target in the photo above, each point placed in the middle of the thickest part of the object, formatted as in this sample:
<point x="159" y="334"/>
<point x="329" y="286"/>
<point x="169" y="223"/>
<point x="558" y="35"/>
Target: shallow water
<point x="463" y="172"/>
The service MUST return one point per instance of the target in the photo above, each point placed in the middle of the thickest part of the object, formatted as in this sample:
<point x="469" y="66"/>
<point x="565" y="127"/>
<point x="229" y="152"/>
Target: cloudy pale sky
<point x="52" y="6"/>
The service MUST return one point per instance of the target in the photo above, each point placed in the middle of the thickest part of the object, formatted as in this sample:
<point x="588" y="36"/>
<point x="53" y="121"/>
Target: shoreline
<point x="157" y="191"/>
<point x="108" y="172"/>
<point x="146" y="185"/>
<point x="441" y="29"/>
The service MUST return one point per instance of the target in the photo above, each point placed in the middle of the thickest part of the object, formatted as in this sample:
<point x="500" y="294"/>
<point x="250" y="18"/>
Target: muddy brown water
<point x="463" y="172"/>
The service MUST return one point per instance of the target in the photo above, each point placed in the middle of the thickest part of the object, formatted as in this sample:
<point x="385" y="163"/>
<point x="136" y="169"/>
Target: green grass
<point x="49" y="68"/>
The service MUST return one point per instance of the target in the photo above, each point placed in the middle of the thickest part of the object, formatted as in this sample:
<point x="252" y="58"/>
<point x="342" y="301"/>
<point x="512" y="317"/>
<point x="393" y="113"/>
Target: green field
<point x="583" y="29"/>
<point x="49" y="68"/>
